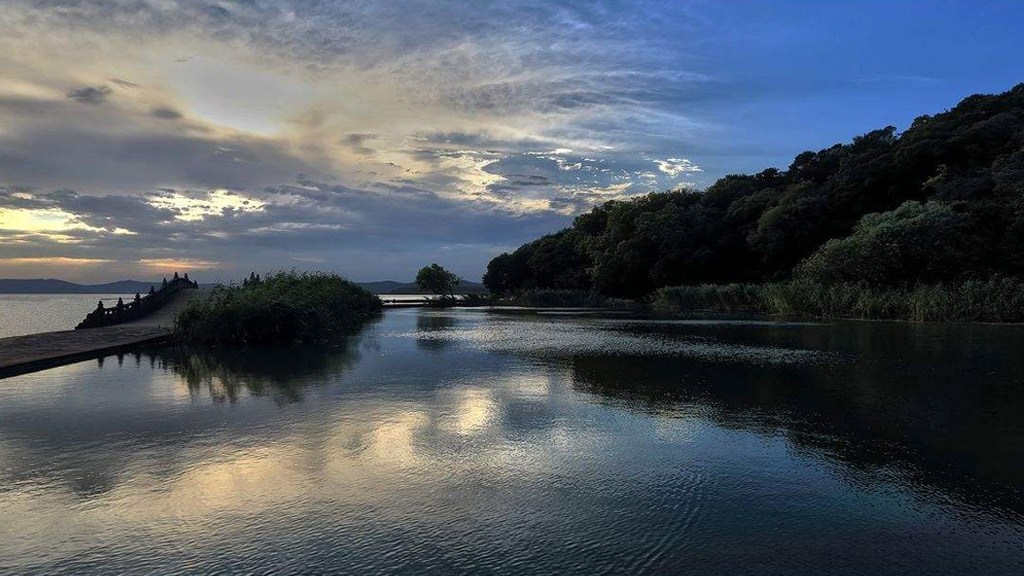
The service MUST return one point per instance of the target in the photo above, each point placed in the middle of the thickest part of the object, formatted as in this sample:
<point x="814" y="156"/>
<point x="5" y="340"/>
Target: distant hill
<point x="54" y="286"/>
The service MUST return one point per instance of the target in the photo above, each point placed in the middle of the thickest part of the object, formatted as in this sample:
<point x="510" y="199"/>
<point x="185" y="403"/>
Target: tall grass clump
<point x="711" y="297"/>
<point x="283" y="307"/>
<point x="552" y="298"/>
<point x="997" y="299"/>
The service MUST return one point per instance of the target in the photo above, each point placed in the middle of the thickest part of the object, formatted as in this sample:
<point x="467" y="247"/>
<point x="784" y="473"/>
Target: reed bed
<point x="283" y="307"/>
<point x="998" y="299"/>
<point x="551" y="298"/>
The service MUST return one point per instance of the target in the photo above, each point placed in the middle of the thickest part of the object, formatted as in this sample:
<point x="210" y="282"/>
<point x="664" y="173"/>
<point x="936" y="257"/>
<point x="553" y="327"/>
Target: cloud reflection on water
<point x="381" y="440"/>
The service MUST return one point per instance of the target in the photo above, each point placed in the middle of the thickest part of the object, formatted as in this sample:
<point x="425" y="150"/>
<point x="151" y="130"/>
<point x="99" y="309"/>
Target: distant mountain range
<point x="54" y="286"/>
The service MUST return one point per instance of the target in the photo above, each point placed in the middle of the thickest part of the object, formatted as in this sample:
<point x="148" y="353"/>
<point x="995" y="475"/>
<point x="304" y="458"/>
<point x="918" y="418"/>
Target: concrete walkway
<point x="23" y="354"/>
<point x="164" y="317"/>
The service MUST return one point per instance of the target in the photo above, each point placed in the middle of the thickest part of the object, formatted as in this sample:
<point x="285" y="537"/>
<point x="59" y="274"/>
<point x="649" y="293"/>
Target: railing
<point x="139" y="307"/>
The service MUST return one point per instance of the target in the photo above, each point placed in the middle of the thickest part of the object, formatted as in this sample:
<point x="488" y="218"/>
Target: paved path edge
<point x="43" y="363"/>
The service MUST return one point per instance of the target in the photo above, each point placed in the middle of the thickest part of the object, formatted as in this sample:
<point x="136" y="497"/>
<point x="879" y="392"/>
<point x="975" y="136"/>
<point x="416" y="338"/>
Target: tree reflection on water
<point x="281" y="373"/>
<point x="907" y="399"/>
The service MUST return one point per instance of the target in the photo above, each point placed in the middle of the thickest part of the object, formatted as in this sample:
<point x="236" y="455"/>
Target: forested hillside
<point x="942" y="201"/>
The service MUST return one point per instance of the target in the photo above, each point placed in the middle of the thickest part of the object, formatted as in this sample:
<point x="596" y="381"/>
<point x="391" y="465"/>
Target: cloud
<point x="385" y="231"/>
<point x="166" y="265"/>
<point x="90" y="94"/>
<point x="193" y="206"/>
<point x="93" y="158"/>
<point x="165" y="113"/>
<point x="676" y="166"/>
<point x="124" y="83"/>
<point x="54" y="261"/>
<point x="356" y="142"/>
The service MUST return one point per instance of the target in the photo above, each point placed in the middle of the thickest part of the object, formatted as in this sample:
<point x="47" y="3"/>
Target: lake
<point x="22" y="314"/>
<point x="523" y="442"/>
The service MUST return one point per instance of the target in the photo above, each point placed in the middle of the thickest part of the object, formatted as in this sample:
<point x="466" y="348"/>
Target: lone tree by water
<point x="437" y="280"/>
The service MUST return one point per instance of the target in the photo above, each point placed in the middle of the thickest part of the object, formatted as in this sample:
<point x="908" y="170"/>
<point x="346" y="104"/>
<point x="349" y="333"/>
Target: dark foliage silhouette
<point x="943" y="201"/>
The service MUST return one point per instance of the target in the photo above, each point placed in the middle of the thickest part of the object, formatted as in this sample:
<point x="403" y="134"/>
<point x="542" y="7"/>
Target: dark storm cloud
<point x="90" y="94"/>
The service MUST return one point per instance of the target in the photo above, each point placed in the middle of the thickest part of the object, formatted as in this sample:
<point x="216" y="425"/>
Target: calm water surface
<point x="469" y="442"/>
<point x="31" y="313"/>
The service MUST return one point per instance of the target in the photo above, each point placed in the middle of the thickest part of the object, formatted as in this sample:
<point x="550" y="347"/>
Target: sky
<point x="370" y="138"/>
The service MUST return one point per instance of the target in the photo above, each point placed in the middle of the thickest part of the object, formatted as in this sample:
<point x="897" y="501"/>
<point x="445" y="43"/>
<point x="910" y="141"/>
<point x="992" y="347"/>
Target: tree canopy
<point x="918" y="241"/>
<point x="437" y="280"/>
<point x="946" y="199"/>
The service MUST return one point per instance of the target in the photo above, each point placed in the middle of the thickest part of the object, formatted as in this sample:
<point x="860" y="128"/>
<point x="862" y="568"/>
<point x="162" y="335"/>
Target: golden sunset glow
<point x="175" y="265"/>
<point x="35" y="220"/>
<point x="54" y="261"/>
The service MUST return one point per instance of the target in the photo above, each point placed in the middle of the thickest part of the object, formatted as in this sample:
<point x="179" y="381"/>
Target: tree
<point x="437" y="280"/>
<point x="497" y="279"/>
<point x="924" y="242"/>
<point x="553" y="261"/>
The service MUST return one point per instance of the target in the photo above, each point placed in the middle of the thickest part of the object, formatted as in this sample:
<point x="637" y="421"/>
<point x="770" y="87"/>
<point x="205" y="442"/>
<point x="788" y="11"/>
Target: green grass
<point x="283" y="307"/>
<point x="998" y="299"/>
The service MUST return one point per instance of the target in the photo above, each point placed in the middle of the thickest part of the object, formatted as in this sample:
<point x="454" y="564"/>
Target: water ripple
<point x="569" y="339"/>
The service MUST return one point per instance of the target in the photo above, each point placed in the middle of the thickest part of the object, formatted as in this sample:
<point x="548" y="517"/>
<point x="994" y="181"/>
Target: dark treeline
<point x="943" y="201"/>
